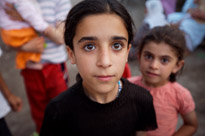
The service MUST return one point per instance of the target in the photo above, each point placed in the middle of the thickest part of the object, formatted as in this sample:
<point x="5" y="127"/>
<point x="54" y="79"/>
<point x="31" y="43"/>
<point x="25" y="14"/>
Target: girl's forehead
<point x="101" y="25"/>
<point x="159" y="48"/>
<point x="104" y="17"/>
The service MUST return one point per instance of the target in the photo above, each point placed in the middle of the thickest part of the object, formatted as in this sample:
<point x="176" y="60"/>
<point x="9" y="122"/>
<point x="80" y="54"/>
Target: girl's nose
<point x="154" y="64"/>
<point x="104" y="58"/>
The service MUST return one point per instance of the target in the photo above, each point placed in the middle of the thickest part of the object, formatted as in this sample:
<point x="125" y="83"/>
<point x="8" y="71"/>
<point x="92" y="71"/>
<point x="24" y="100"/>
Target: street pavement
<point x="193" y="78"/>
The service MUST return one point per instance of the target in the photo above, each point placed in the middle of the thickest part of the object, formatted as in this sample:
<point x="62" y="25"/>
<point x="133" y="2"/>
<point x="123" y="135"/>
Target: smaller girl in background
<point x="160" y="57"/>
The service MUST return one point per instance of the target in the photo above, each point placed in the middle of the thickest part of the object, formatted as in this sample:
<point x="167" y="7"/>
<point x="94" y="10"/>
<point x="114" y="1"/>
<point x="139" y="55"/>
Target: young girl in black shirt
<point x="98" y="34"/>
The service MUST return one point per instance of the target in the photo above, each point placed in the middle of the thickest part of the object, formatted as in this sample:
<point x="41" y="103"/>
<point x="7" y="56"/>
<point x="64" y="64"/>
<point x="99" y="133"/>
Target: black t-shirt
<point x="72" y="113"/>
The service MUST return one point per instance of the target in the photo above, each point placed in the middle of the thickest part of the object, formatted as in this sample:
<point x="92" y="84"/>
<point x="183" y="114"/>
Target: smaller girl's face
<point x="157" y="61"/>
<point x="100" y="51"/>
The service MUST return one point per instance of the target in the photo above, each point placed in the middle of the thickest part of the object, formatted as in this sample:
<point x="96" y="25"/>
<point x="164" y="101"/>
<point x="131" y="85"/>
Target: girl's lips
<point x="150" y="74"/>
<point x="104" y="78"/>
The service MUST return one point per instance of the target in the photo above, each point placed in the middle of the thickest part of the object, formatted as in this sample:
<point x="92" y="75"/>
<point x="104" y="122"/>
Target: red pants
<point x="42" y="86"/>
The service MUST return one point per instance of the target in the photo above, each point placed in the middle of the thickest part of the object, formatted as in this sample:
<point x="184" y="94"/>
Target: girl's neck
<point x="104" y="98"/>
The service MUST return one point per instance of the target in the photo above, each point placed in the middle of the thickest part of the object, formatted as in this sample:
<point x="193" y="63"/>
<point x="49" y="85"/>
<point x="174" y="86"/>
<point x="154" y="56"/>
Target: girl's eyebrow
<point x="119" y="38"/>
<point x="163" y="56"/>
<point x="89" y="38"/>
<point x="92" y="38"/>
<point x="147" y="52"/>
<point x="167" y="57"/>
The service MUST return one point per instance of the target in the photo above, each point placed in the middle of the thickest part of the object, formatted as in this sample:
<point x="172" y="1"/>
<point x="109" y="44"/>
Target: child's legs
<point x="4" y="130"/>
<point x="36" y="93"/>
<point x="56" y="79"/>
<point x="42" y="86"/>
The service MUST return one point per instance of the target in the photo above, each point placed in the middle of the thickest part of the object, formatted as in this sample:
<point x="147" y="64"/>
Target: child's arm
<point x="14" y="101"/>
<point x="190" y="125"/>
<point x="35" y="45"/>
<point x="37" y="22"/>
<point x="140" y="133"/>
<point x="55" y="34"/>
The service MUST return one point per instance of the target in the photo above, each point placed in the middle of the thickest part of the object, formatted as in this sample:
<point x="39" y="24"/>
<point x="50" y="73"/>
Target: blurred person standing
<point x="49" y="77"/>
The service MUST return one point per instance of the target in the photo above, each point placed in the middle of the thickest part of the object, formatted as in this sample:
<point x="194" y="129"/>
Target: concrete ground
<point x="193" y="78"/>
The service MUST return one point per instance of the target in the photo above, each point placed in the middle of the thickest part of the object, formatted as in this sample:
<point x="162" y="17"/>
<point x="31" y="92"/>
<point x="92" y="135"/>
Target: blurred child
<point x="47" y="78"/>
<point x="16" y="33"/>
<point x="7" y="100"/>
<point x="192" y="21"/>
<point x="98" y="34"/>
<point x="160" y="57"/>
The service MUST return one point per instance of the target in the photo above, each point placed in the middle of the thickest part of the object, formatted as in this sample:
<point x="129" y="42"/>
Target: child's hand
<point x="15" y="102"/>
<point x="197" y="14"/>
<point x="197" y="1"/>
<point x="34" y="45"/>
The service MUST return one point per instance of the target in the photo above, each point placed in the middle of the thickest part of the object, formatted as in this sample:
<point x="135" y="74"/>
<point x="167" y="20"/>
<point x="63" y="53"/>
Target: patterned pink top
<point x="169" y="100"/>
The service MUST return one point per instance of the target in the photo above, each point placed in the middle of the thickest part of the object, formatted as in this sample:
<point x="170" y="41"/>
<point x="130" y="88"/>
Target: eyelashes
<point x="117" y="46"/>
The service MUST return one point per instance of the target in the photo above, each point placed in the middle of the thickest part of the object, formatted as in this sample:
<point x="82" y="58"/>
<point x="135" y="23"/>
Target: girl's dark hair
<point x="169" y="34"/>
<point x="92" y="7"/>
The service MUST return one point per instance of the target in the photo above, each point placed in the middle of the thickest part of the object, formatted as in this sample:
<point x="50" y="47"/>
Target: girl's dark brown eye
<point x="89" y="47"/>
<point x="164" y="60"/>
<point x="117" y="46"/>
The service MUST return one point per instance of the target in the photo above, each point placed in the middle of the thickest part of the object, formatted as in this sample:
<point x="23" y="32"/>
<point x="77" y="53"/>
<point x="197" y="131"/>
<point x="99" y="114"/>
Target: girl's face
<point x="100" y="52"/>
<point x="157" y="62"/>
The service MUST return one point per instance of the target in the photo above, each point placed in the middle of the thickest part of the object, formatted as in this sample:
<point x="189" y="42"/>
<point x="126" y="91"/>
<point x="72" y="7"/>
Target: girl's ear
<point x="178" y="66"/>
<point x="128" y="50"/>
<point x="129" y="47"/>
<point x="71" y="55"/>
